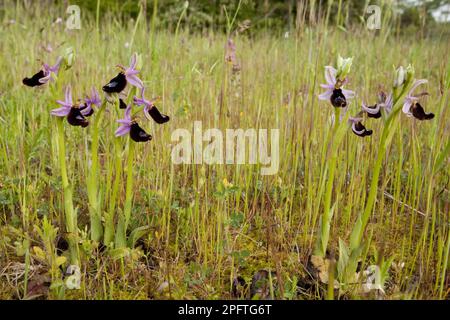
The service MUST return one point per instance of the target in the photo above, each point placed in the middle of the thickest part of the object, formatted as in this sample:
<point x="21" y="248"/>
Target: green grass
<point x="201" y="234"/>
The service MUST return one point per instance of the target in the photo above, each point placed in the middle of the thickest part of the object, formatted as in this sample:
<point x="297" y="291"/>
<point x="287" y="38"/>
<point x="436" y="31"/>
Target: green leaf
<point x="56" y="284"/>
<point x="354" y="241"/>
<point x="119" y="253"/>
<point x="136" y="234"/>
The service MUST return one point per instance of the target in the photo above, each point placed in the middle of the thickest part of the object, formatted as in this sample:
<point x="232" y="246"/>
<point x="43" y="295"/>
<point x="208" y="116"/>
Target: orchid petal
<point x="146" y="112"/>
<point x="131" y="72"/>
<point x="388" y="102"/>
<point x="326" y="95"/>
<point x="55" y="67"/>
<point x="327" y="86"/>
<point x="371" y="110"/>
<point x="122" y="130"/>
<point x="60" y="112"/>
<point x="330" y="75"/>
<point x="135" y="81"/>
<point x="128" y="113"/>
<point x="63" y="103"/>
<point x="416" y="84"/>
<point x="406" y="107"/>
<point x="349" y="94"/>
<point x="133" y="61"/>
<point x="357" y="131"/>
<point x="138" y="101"/>
<point x="68" y="95"/>
<point x="45" y="79"/>
<point x="86" y="110"/>
<point x="355" y="119"/>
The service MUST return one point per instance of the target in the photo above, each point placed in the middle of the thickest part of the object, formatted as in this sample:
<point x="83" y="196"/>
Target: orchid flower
<point x="384" y="102"/>
<point x="412" y="107"/>
<point x="94" y="99"/>
<point x="66" y="105"/>
<point x="127" y="75"/>
<point x="150" y="110"/>
<point x="46" y="74"/>
<point x="130" y="126"/>
<point x="358" y="128"/>
<point x="334" y="89"/>
<point x="67" y="109"/>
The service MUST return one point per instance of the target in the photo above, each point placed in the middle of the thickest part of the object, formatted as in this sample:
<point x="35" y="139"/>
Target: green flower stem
<point x="124" y="219"/>
<point x="70" y="214"/>
<point x="129" y="188"/>
<point x="92" y="181"/>
<point x="324" y="230"/>
<point x="109" y="223"/>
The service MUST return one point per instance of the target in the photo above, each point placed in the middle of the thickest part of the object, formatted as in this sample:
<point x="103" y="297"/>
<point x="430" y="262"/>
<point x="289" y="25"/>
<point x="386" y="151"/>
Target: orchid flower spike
<point x="384" y="102"/>
<point x="46" y="74"/>
<point x="127" y="75"/>
<point x="412" y="107"/>
<point x="130" y="126"/>
<point x="335" y="93"/>
<point x="358" y="128"/>
<point x="150" y="110"/>
<point x="69" y="110"/>
<point x="93" y="100"/>
<point x="230" y="52"/>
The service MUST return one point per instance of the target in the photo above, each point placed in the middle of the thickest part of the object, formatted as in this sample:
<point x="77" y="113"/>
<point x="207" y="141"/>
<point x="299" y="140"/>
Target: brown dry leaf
<point x="322" y="266"/>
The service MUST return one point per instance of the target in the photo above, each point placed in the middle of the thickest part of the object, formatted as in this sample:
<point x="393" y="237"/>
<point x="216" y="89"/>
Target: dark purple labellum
<point x="337" y="99"/>
<point x="419" y="113"/>
<point x="360" y="127"/>
<point x="90" y="112"/>
<point x="376" y="115"/>
<point x="61" y="245"/>
<point x="75" y="118"/>
<point x="138" y="134"/>
<point x="157" y="116"/>
<point x="122" y="105"/>
<point x="239" y="287"/>
<point x="116" y="84"/>
<point x="34" y="80"/>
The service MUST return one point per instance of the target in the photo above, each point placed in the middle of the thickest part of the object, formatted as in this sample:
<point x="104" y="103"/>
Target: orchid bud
<point x="343" y="66"/>
<point x="138" y="61"/>
<point x="69" y="57"/>
<point x="409" y="74"/>
<point x="399" y="77"/>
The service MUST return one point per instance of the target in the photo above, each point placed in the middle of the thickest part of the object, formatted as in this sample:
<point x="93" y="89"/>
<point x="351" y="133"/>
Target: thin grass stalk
<point x="445" y="266"/>
<point x="97" y="16"/>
